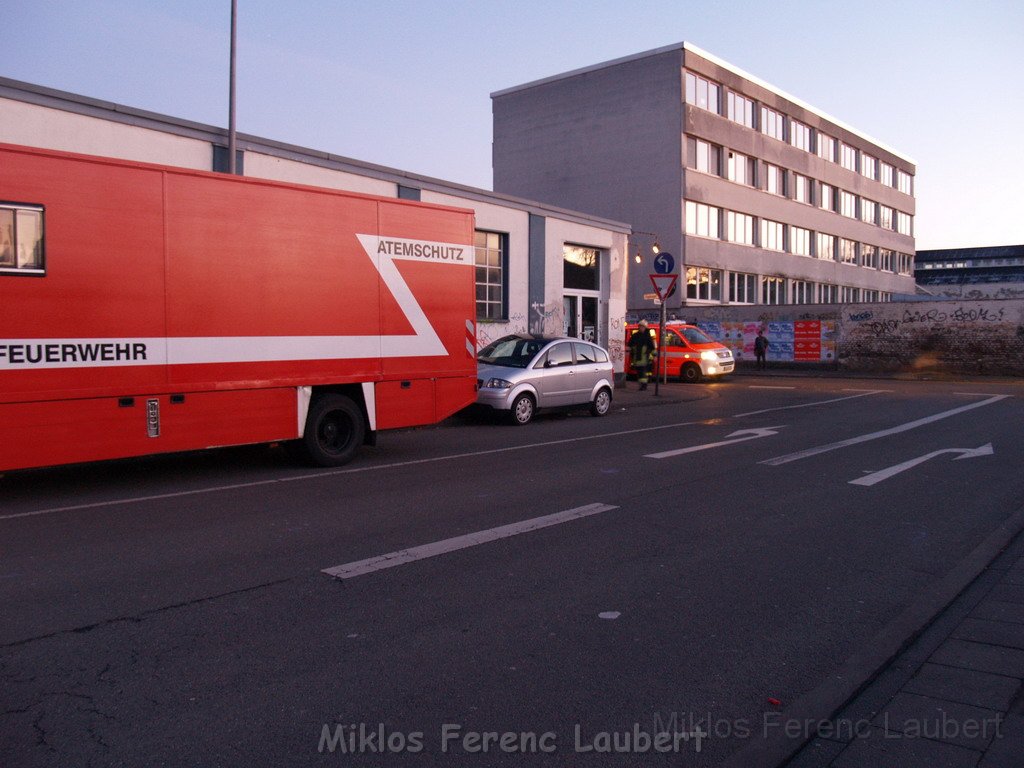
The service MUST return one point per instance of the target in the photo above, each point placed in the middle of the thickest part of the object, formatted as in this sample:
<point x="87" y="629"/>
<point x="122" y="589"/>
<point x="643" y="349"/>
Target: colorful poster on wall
<point x="780" y="341"/>
<point x="807" y="340"/>
<point x="828" y="340"/>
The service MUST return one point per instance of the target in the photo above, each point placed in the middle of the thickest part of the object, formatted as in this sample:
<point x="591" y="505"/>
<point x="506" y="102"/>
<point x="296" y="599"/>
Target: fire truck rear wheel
<point x="690" y="373"/>
<point x="335" y="429"/>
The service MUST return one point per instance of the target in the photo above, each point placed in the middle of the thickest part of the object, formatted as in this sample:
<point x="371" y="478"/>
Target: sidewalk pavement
<point x="954" y="698"/>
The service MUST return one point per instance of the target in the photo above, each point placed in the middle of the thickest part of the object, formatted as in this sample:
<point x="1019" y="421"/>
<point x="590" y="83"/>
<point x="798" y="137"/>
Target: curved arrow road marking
<point x="885" y="474"/>
<point x="740" y="436"/>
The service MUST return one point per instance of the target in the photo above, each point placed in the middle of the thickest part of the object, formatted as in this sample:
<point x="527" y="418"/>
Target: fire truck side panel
<point x="239" y="300"/>
<point x="104" y="276"/>
<point x="67" y="431"/>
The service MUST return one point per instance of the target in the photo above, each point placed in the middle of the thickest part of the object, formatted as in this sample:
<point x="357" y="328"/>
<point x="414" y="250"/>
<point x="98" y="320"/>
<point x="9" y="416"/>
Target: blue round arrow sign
<point x="664" y="263"/>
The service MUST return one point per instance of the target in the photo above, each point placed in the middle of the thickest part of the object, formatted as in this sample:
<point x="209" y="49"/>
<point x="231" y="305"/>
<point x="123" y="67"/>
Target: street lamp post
<point x="231" y="91"/>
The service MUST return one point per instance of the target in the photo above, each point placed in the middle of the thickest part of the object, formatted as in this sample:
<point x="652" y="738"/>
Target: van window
<point x="696" y="336"/>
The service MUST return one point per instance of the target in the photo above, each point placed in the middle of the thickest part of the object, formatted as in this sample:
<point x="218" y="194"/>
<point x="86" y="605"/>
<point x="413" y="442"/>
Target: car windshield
<point x="511" y="351"/>
<point x="696" y="336"/>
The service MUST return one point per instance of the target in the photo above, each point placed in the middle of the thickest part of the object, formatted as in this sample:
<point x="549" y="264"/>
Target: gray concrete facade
<point x="613" y="139"/>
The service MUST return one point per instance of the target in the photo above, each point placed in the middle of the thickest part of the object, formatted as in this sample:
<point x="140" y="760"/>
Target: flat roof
<point x="684" y="46"/>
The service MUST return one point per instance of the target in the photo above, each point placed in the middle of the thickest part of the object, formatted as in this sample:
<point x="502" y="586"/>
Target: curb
<point x="826" y="700"/>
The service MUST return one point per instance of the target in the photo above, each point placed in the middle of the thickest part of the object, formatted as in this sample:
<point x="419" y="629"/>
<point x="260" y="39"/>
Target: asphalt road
<point x="716" y="561"/>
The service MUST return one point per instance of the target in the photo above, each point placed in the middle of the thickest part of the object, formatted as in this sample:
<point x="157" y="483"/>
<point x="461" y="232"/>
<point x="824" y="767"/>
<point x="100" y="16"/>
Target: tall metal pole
<point x="231" y="91"/>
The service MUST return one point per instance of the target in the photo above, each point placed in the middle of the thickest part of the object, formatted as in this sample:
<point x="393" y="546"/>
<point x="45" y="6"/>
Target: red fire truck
<point x="148" y="309"/>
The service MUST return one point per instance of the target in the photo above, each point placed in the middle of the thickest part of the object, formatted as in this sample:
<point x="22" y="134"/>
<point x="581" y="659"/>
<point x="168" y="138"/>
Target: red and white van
<point x="688" y="353"/>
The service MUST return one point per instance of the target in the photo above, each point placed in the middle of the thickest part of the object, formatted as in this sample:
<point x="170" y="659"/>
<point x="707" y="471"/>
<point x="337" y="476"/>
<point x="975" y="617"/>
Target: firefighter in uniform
<point x="641" y="350"/>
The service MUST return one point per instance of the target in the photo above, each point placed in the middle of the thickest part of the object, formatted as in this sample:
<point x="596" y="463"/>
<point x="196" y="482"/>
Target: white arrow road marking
<point x="885" y="474"/>
<point x="403" y="556"/>
<point x="882" y="433"/>
<point x="739" y="437"/>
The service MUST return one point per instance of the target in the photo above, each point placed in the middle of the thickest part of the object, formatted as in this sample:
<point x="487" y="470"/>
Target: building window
<point x="799" y="241"/>
<point x="491" y="266"/>
<point x="848" y="204"/>
<point x="826" y="147"/>
<point x="885" y="259"/>
<point x="702" y="93"/>
<point x="868" y="166"/>
<point x="22" y="250"/>
<point x="847" y="251"/>
<point x="869" y="295"/>
<point x="868" y="256"/>
<point x="703" y="284"/>
<point x="772" y="123"/>
<point x="799" y="135"/>
<point x="905" y="263"/>
<point x="885" y="218"/>
<point x="739" y="228"/>
<point x="825" y="247"/>
<point x="904" y="182"/>
<point x="775" y="182"/>
<point x="581" y="268"/>
<point x="904" y="223"/>
<point x="703" y="220"/>
<point x="773" y="290"/>
<point x="741" y="109"/>
<point x="704" y="157"/>
<point x="803" y="292"/>
<point x="847" y="157"/>
<point x="885" y="174"/>
<point x="828" y="294"/>
<point x="801" y="189"/>
<point x="772" y="235"/>
<point x="827" y="198"/>
<point x="742" y="288"/>
<point x="868" y="210"/>
<point x="741" y="169"/>
<point x="849" y="294"/>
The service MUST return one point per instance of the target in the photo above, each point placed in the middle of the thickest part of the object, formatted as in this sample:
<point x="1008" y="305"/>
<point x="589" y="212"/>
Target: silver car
<point x="521" y="373"/>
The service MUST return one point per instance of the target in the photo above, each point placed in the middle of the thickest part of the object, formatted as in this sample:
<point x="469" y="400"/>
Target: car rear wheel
<point x="690" y="373"/>
<point x="602" y="403"/>
<point x="523" y="409"/>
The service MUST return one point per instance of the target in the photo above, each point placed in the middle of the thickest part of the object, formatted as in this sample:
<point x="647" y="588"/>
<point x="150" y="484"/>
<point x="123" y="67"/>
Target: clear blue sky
<point x="407" y="83"/>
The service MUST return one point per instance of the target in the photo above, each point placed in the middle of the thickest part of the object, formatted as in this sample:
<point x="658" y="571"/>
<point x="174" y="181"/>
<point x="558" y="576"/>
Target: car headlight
<point x="708" y="354"/>
<point x="497" y="384"/>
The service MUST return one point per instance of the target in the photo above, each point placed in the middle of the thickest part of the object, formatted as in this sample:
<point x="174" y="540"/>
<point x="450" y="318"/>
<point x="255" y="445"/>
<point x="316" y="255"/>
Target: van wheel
<point x="690" y="373"/>
<point x="335" y="429"/>
<point x="522" y="410"/>
<point x="602" y="403"/>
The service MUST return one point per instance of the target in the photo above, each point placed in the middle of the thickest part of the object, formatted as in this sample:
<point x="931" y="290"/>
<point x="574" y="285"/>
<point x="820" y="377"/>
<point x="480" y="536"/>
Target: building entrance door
<point x="580" y="317"/>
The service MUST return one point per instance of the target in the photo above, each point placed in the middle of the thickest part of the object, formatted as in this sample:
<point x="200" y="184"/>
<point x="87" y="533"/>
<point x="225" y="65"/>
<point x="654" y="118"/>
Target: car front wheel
<point x="522" y="409"/>
<point x="602" y="403"/>
<point x="690" y="374"/>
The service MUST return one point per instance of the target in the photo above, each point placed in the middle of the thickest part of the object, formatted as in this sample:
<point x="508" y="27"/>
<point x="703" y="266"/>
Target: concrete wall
<point x="960" y="337"/>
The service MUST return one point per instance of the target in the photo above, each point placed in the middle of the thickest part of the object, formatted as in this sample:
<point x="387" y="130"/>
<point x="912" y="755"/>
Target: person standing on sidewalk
<point x="641" y="349"/>
<point x="761" y="345"/>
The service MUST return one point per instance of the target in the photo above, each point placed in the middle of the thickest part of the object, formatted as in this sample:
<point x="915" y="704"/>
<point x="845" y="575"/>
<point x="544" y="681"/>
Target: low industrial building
<point x="539" y="268"/>
<point x="995" y="272"/>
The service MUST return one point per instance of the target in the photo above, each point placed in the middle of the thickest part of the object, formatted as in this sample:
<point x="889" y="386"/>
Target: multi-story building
<point x="761" y="198"/>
